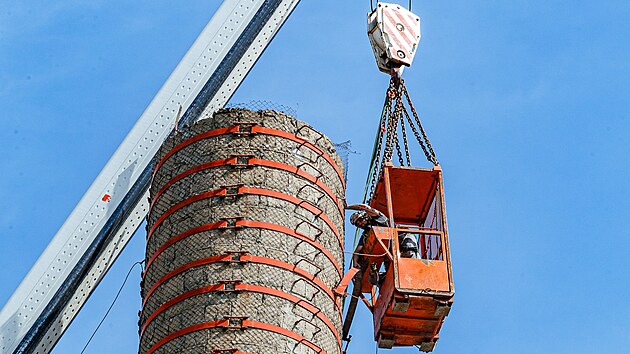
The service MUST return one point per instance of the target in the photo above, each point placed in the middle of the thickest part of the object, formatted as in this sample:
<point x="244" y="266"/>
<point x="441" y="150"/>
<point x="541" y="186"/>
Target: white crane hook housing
<point x="394" y="33"/>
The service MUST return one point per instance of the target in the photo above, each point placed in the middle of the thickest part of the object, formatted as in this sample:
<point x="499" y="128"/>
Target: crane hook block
<point x="394" y="33"/>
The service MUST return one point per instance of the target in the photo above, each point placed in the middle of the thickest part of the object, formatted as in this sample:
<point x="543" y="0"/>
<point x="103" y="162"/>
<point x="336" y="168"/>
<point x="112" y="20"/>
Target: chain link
<point x="391" y="137"/>
<point x="404" y="134"/>
<point x="432" y="158"/>
<point x="401" y="160"/>
<point x="396" y="113"/>
<point x="391" y="93"/>
<point x="400" y="111"/>
<point x="418" y="138"/>
<point x="397" y="117"/>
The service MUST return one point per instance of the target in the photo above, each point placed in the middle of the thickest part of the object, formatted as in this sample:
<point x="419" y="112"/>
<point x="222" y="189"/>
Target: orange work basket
<point x="414" y="290"/>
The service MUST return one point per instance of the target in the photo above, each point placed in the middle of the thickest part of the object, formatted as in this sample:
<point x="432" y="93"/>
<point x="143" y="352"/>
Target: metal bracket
<point x="317" y="289"/>
<point x="236" y="322"/>
<point x="299" y="303"/>
<point x="309" y="204"/>
<point x="311" y="263"/>
<point x="300" y="342"/>
<point x="321" y="135"/>
<point x="401" y="305"/>
<point x="318" y="152"/>
<point x="230" y="285"/>
<point x="443" y="308"/>
<point x="242" y="161"/>
<point x="245" y="128"/>
<point x="232" y="190"/>
<point x="322" y="194"/>
<point x="237" y="257"/>
<point x="317" y="328"/>
<point x="313" y="167"/>
<point x="232" y="222"/>
<point x="225" y="351"/>
<point x="340" y="290"/>
<point x="311" y="225"/>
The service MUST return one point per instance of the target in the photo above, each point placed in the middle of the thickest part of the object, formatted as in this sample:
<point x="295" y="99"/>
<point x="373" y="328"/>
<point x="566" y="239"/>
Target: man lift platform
<point x="416" y="294"/>
<point x="409" y="292"/>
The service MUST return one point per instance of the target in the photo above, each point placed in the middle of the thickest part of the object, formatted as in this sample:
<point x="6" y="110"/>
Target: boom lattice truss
<point x="91" y="238"/>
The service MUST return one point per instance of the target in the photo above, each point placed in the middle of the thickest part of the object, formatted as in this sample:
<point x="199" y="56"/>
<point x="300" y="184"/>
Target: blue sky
<point x="524" y="101"/>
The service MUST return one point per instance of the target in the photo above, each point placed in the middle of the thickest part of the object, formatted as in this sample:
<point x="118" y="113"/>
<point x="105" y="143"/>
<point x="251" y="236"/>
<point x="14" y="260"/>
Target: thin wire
<point x="112" y="305"/>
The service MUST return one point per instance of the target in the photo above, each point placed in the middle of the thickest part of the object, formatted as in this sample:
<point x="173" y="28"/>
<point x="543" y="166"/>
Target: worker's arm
<point x="368" y="209"/>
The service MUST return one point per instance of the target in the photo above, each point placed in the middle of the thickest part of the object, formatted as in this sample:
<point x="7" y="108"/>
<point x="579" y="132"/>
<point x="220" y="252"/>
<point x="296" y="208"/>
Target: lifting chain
<point x="404" y="134"/>
<point x="430" y="154"/>
<point x="396" y="118"/>
<point x="395" y="113"/>
<point x="392" y="137"/>
<point x="387" y="112"/>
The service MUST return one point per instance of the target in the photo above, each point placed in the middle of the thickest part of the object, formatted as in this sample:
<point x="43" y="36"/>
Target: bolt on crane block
<point x="394" y="33"/>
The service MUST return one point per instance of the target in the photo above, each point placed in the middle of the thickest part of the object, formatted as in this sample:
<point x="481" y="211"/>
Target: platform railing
<point x="429" y="241"/>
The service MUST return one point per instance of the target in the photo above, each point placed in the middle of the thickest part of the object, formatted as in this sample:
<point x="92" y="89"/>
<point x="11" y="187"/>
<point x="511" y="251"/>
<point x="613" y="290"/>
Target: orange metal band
<point x="183" y="235"/>
<point x="343" y="284"/>
<point x="299" y="172"/>
<point x="294" y="269"/>
<point x="207" y="165"/>
<point x="310" y="308"/>
<point x="244" y="223"/>
<point x="297" y="139"/>
<point x="251" y="162"/>
<point x="282" y="331"/>
<point x="303" y="203"/>
<point x="181" y="332"/>
<point x="174" y="208"/>
<point x="287" y="231"/>
<point x="185" y="267"/>
<point x="225" y="324"/>
<point x="180" y="298"/>
<point x="253" y="191"/>
<point x="208" y="134"/>
<point x="256" y="129"/>
<point x="245" y="287"/>
<point x="244" y="259"/>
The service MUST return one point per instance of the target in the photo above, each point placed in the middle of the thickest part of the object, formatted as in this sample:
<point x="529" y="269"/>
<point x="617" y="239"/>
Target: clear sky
<point x="525" y="103"/>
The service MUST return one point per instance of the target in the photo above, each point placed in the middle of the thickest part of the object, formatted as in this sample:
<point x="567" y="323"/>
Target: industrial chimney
<point x="244" y="239"/>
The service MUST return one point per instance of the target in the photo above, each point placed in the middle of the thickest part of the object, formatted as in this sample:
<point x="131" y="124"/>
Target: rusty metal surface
<point x="415" y="294"/>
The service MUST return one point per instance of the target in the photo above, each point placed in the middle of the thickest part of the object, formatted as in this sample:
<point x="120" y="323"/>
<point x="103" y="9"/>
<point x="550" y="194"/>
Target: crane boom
<point x="106" y="217"/>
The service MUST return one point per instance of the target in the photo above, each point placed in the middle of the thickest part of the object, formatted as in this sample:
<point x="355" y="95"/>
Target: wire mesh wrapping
<point x="258" y="105"/>
<point x="245" y="238"/>
<point x="344" y="150"/>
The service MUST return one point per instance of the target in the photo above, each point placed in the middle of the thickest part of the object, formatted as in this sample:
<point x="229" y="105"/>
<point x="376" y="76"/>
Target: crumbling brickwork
<point x="245" y="239"/>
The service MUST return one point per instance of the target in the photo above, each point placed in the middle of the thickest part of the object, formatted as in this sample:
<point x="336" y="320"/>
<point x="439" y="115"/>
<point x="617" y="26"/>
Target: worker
<point x="408" y="245"/>
<point x="364" y="219"/>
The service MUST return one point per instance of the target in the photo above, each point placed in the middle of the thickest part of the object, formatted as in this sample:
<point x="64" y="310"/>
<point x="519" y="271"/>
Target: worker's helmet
<point x="357" y="216"/>
<point x="408" y="245"/>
